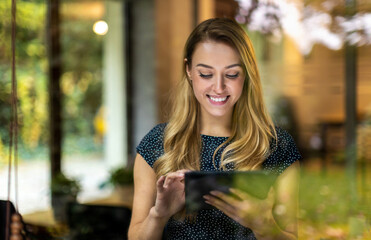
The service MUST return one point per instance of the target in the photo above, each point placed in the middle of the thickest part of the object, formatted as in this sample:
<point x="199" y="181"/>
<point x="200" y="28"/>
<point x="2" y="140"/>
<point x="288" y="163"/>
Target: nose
<point x="219" y="84"/>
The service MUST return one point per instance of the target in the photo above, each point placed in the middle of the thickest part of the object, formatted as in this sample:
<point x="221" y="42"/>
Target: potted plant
<point x="63" y="190"/>
<point x="121" y="179"/>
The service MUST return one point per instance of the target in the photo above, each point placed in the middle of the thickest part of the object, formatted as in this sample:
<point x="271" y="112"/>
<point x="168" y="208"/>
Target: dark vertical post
<point x="55" y="96"/>
<point x="351" y="107"/>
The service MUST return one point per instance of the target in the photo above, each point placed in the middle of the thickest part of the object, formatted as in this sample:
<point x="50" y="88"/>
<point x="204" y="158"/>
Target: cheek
<point x="197" y="89"/>
<point x="200" y="86"/>
<point x="237" y="87"/>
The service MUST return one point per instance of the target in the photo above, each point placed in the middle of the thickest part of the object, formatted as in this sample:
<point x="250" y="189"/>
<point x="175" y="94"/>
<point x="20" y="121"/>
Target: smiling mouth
<point x="218" y="99"/>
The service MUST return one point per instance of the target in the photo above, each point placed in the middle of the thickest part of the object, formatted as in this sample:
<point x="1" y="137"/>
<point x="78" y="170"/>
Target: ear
<point x="187" y="67"/>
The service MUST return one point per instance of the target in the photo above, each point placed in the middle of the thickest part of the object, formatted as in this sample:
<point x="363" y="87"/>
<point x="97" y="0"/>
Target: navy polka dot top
<point x="212" y="223"/>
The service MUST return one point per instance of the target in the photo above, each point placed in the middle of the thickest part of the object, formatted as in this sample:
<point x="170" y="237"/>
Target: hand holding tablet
<point x="197" y="184"/>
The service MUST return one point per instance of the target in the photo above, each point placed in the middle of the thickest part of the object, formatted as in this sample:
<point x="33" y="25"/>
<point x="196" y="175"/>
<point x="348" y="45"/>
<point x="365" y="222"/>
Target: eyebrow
<point x="207" y="66"/>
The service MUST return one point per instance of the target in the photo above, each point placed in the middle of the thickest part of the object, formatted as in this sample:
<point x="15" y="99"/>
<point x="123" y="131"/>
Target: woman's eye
<point x="232" y="75"/>
<point x="206" y="75"/>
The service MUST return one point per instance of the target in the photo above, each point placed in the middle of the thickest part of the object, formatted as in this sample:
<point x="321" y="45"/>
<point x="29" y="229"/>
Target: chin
<point x="218" y="114"/>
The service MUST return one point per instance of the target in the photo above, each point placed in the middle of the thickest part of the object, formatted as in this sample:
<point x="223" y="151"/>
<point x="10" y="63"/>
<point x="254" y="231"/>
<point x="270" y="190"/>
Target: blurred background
<point x="95" y="76"/>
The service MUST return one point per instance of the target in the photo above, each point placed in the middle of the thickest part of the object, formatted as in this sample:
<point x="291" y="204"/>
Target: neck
<point x="220" y="127"/>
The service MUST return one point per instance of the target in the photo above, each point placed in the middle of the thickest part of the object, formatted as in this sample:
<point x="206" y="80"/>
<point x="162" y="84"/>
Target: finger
<point x="235" y="212"/>
<point x="172" y="177"/>
<point x="226" y="198"/>
<point x="168" y="181"/>
<point x="160" y="184"/>
<point x="225" y="207"/>
<point x="183" y="172"/>
<point x="240" y="194"/>
<point x="177" y="174"/>
<point x="241" y="203"/>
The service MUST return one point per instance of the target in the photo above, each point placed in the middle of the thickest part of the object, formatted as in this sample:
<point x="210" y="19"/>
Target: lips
<point x="218" y="99"/>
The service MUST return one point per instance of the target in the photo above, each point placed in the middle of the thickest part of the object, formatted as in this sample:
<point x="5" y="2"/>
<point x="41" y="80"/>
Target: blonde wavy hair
<point x="252" y="128"/>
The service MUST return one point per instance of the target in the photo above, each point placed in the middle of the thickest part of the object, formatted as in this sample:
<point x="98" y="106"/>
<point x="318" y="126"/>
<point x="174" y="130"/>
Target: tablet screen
<point x="198" y="184"/>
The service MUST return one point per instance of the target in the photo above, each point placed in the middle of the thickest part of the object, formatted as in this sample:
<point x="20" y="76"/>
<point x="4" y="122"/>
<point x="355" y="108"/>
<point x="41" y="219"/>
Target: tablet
<point x="198" y="184"/>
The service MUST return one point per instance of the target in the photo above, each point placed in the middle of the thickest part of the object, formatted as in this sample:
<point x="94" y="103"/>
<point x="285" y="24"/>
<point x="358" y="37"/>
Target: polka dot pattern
<point x="214" y="224"/>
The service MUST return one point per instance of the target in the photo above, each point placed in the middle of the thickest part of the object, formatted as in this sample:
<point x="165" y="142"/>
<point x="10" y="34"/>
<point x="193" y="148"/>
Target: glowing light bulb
<point x="100" y="27"/>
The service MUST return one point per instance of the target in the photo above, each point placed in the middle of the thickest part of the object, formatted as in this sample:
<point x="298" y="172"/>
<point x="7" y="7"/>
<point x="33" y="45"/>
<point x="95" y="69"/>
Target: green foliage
<point x="81" y="81"/>
<point x="327" y="210"/>
<point x="75" y="145"/>
<point x="30" y="66"/>
<point x="61" y="185"/>
<point x="325" y="198"/>
<point x="3" y="154"/>
<point x="119" y="177"/>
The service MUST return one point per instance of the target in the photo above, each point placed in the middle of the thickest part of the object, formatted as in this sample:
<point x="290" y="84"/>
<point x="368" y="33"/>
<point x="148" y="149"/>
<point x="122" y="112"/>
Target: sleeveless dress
<point x="212" y="223"/>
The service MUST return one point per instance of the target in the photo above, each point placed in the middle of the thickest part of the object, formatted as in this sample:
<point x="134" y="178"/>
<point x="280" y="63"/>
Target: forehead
<point x="215" y="53"/>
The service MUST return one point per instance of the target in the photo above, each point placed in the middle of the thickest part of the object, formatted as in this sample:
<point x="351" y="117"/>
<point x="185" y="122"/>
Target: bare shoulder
<point x="287" y="182"/>
<point x="292" y="171"/>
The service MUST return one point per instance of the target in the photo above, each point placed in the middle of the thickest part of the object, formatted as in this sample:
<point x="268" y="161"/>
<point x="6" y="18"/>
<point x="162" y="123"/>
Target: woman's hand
<point x="155" y="200"/>
<point x="245" y="209"/>
<point x="258" y="215"/>
<point x="170" y="197"/>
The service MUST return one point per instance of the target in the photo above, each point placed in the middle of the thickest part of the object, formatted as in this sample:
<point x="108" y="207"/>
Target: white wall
<point x="115" y="146"/>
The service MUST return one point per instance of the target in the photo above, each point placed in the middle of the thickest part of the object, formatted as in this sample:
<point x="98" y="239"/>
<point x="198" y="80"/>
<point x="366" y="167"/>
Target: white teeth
<point x="218" y="99"/>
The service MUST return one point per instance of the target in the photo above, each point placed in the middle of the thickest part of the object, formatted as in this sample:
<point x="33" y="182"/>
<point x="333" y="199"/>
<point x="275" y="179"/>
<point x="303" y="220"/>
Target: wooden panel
<point x="83" y="10"/>
<point x="226" y="8"/>
<point x="174" y="22"/>
<point x="314" y="85"/>
<point x="206" y="10"/>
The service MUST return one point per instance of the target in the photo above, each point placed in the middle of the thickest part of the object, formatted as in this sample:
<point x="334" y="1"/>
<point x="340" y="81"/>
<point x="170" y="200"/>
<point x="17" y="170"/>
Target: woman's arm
<point x="285" y="209"/>
<point x="144" y="225"/>
<point x="272" y="218"/>
<point x="155" y="201"/>
<point x="283" y="221"/>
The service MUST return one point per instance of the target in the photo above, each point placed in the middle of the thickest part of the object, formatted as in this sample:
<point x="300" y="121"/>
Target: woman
<point x="218" y="123"/>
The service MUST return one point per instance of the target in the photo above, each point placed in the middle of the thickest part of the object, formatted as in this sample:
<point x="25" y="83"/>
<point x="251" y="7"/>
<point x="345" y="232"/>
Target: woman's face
<point x="217" y="78"/>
